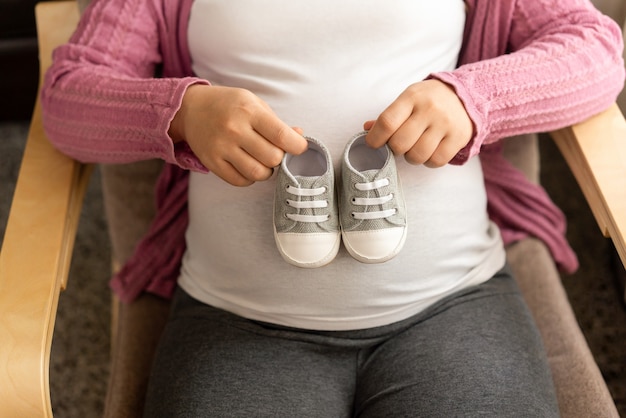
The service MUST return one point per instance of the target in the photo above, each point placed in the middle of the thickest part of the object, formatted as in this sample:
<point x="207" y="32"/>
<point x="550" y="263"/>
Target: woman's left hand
<point x="427" y="123"/>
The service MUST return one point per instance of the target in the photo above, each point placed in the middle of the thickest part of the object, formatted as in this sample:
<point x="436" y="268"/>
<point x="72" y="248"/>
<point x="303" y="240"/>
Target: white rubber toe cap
<point x="375" y="246"/>
<point x="308" y="250"/>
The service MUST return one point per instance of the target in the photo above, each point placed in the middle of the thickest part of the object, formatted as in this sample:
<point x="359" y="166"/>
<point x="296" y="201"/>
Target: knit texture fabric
<point x="526" y="66"/>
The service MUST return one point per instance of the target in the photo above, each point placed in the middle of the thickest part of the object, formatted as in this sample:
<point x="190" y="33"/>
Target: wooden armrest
<point x="37" y="247"/>
<point x="595" y="151"/>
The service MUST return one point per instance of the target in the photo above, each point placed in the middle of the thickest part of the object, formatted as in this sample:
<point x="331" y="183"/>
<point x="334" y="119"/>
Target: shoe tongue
<point x="371" y="175"/>
<point x="308" y="182"/>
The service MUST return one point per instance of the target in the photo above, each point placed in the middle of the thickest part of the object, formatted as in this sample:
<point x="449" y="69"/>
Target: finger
<point x="368" y="125"/>
<point x="249" y="167"/>
<point x="229" y="174"/>
<point x="262" y="150"/>
<point x="424" y="148"/>
<point x="445" y="152"/>
<point x="389" y="121"/>
<point x="280" y="134"/>
<point x="407" y="135"/>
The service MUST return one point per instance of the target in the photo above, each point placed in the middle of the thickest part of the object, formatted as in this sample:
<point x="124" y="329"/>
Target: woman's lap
<point x="476" y="352"/>
<point x="478" y="355"/>
<point x="210" y="366"/>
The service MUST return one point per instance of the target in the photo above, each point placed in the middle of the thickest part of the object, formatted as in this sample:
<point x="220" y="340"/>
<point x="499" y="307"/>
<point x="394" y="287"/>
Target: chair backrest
<point x="82" y="4"/>
<point x="129" y="206"/>
<point x="523" y="152"/>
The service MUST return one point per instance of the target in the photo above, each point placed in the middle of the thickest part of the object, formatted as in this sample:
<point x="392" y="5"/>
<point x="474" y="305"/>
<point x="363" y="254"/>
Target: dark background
<point x="19" y="66"/>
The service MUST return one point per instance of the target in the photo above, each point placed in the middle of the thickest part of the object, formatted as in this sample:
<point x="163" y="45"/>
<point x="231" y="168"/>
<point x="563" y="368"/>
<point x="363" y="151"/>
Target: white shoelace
<point x="307" y="204"/>
<point x="369" y="201"/>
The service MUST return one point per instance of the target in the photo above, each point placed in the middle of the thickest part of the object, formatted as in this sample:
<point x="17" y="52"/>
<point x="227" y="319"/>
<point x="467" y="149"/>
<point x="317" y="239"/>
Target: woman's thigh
<point x="212" y="363"/>
<point x="476" y="354"/>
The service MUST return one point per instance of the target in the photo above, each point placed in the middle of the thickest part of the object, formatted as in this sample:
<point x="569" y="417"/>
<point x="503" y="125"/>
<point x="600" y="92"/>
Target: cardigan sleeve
<point x="100" y="99"/>
<point x="562" y="64"/>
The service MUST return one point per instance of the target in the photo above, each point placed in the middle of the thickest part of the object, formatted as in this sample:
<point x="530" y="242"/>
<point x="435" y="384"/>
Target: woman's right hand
<point x="234" y="133"/>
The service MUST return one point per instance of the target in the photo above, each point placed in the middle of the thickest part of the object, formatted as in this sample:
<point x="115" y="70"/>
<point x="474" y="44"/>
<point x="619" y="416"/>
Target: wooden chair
<point x="44" y="218"/>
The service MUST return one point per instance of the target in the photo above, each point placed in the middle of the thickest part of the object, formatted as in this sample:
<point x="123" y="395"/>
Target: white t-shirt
<point x="328" y="66"/>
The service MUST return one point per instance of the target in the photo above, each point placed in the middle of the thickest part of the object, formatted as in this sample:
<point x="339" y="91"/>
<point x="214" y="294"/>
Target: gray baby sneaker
<point x="306" y="224"/>
<point x="372" y="209"/>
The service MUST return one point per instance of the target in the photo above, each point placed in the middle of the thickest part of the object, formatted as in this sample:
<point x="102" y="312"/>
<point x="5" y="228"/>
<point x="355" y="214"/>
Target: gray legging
<point x="475" y="353"/>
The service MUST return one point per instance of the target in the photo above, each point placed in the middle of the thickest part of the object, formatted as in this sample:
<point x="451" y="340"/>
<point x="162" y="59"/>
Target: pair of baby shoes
<point x="370" y="214"/>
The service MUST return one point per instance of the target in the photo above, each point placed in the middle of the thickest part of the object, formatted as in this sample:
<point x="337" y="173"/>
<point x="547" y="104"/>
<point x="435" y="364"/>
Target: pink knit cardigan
<point x="526" y="66"/>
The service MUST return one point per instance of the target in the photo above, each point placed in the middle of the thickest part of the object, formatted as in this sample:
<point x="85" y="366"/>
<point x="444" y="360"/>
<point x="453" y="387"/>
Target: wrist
<point x="176" y="130"/>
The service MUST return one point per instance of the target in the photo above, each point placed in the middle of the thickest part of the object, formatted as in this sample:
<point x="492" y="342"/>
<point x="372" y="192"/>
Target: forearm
<point x="558" y="74"/>
<point x="107" y="119"/>
<point x="100" y="100"/>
